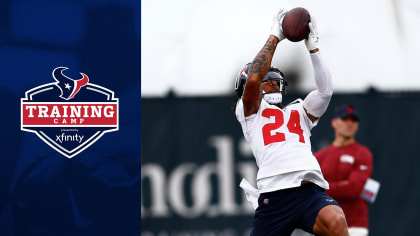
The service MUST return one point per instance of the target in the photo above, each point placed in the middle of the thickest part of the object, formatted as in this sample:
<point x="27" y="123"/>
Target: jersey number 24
<point x="293" y="126"/>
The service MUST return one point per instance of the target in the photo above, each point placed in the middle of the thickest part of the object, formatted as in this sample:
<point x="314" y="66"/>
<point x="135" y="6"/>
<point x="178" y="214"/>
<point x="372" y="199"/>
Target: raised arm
<point x="260" y="66"/>
<point x="316" y="102"/>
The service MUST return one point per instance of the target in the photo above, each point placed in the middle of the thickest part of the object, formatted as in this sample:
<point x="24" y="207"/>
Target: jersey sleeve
<point x="247" y="123"/>
<point x="352" y="188"/>
<point x="239" y="110"/>
<point x="316" y="102"/>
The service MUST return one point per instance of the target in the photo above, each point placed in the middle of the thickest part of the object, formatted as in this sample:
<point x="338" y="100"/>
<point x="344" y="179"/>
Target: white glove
<point x="276" y="27"/>
<point x="312" y="41"/>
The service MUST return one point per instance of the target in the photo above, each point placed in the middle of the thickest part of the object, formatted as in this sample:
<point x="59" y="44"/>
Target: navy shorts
<point x="281" y="212"/>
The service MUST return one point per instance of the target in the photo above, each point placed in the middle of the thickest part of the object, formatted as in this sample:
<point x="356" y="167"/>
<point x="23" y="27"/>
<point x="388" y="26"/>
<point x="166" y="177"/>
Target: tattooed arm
<point x="259" y="67"/>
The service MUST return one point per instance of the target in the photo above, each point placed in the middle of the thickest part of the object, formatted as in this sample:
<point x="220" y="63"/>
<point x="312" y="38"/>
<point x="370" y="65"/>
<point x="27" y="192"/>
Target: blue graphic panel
<point x="97" y="191"/>
<point x="48" y="21"/>
<point x="23" y="68"/>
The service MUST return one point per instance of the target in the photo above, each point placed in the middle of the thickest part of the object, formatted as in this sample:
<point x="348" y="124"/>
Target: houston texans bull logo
<point x="68" y="87"/>
<point x="69" y="114"/>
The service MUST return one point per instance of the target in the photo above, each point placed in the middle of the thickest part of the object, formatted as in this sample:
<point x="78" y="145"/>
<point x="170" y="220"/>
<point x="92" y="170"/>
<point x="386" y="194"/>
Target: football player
<point x="290" y="184"/>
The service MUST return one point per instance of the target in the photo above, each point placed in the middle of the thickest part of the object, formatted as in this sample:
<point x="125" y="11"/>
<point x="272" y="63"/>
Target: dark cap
<point x="345" y="111"/>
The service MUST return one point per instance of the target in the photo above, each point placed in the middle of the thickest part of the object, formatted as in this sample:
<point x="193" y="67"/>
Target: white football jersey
<point x="279" y="139"/>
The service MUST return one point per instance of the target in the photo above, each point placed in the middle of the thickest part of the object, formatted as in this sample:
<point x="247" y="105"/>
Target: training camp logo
<point x="69" y="115"/>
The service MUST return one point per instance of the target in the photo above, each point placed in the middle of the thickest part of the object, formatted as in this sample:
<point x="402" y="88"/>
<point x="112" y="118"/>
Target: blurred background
<point x="193" y="151"/>
<point x="96" y="192"/>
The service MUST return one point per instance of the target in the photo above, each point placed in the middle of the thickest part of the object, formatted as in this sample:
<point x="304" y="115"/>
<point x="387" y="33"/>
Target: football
<point x="295" y="24"/>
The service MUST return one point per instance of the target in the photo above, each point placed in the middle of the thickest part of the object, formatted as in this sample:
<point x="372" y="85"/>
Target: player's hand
<point x="276" y="27"/>
<point x="312" y="41"/>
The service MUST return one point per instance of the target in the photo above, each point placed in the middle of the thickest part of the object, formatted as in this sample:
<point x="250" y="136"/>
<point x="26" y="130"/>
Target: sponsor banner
<point x="192" y="163"/>
<point x="194" y="157"/>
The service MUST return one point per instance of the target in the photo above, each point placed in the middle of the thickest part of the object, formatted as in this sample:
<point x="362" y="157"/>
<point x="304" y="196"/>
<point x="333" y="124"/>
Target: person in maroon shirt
<point x="347" y="165"/>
